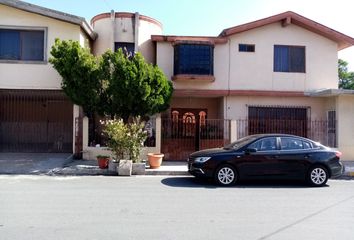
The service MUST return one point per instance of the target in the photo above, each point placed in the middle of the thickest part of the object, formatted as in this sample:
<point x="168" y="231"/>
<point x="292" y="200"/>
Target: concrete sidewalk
<point x="32" y="163"/>
<point x="65" y="165"/>
<point x="89" y="167"/>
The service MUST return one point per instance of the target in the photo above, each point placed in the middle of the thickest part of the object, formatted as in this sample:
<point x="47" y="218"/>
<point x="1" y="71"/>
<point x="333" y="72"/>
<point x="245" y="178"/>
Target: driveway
<point x="32" y="163"/>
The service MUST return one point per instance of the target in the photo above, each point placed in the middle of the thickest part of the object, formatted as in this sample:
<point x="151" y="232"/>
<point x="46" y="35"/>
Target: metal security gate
<point x="35" y="121"/>
<point x="181" y="137"/>
<point x="289" y="120"/>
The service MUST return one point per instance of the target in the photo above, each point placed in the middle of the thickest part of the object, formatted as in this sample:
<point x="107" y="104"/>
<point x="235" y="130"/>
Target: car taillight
<point x="338" y="154"/>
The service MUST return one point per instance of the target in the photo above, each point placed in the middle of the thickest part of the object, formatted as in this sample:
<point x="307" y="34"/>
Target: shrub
<point x="125" y="139"/>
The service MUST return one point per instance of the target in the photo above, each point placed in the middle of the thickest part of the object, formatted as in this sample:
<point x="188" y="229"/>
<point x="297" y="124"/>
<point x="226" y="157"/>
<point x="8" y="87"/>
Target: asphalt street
<point x="42" y="207"/>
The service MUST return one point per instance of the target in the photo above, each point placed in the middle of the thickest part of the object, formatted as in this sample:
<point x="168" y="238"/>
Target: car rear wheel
<point x="225" y="175"/>
<point x="317" y="176"/>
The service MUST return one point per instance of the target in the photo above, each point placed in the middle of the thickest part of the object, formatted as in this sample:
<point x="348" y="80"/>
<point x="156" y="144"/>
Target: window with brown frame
<point x="193" y="59"/>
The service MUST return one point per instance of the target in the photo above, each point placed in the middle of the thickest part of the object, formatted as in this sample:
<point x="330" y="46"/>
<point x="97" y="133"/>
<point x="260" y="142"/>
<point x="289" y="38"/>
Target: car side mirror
<point x="250" y="150"/>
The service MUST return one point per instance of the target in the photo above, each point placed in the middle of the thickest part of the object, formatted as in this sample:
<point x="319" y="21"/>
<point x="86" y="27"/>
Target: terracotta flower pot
<point x="102" y="162"/>
<point x="155" y="159"/>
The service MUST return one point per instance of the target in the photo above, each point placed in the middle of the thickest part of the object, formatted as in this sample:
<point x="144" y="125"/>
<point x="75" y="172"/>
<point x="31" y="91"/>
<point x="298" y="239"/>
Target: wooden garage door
<point x="35" y="121"/>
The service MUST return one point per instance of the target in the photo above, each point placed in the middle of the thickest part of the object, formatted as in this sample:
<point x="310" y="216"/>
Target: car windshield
<point x="241" y="142"/>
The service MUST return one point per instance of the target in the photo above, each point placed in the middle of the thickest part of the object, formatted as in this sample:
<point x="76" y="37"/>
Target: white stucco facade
<point x="28" y="77"/>
<point x="234" y="70"/>
<point x="125" y="28"/>
<point x="244" y="79"/>
<point x="239" y="79"/>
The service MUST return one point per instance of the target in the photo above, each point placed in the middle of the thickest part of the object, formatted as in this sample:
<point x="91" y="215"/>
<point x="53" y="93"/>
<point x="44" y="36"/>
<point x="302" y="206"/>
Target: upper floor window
<point x="193" y="59"/>
<point x="22" y="45"/>
<point x="246" y="47"/>
<point x="289" y="59"/>
<point x="127" y="47"/>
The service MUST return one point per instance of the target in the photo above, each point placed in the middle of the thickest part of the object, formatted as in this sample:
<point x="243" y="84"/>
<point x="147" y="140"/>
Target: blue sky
<point x="210" y="17"/>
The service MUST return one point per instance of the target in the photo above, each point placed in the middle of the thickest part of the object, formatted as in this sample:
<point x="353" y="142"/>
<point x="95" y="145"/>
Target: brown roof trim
<point x="266" y="93"/>
<point x="221" y="93"/>
<point x="125" y="15"/>
<point x="189" y="39"/>
<point x="193" y="77"/>
<point x="289" y="17"/>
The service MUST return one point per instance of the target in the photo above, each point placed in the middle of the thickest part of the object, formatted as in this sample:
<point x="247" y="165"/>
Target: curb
<point x="166" y="173"/>
<point x="96" y="171"/>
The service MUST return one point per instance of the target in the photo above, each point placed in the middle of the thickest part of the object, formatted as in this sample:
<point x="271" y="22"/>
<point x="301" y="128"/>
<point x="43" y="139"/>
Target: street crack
<point x="304" y="218"/>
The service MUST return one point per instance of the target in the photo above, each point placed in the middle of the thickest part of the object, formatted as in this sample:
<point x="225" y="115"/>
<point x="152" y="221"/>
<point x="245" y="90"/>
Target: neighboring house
<point x="278" y="74"/>
<point x="35" y="115"/>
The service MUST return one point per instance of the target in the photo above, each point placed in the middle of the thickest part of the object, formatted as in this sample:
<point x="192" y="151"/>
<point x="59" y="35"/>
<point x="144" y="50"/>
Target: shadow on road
<point x="191" y="182"/>
<point x="188" y="182"/>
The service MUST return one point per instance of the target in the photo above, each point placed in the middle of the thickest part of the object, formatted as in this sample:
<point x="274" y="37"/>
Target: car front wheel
<point x="317" y="176"/>
<point x="225" y="175"/>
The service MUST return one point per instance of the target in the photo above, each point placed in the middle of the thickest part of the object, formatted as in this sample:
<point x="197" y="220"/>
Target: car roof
<point x="276" y="135"/>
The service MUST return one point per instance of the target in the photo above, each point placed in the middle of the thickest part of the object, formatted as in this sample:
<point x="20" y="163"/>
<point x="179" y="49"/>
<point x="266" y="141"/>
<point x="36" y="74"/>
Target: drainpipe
<point x="136" y="35"/>
<point x="113" y="22"/>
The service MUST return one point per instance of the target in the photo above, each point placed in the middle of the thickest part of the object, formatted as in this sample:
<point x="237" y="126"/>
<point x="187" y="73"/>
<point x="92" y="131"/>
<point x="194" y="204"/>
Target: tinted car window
<point x="265" y="144"/>
<point x="288" y="143"/>
<point x="306" y="145"/>
<point x="241" y="142"/>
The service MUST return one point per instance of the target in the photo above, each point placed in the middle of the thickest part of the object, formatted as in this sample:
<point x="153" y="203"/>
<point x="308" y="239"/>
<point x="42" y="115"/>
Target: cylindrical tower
<point x="130" y="30"/>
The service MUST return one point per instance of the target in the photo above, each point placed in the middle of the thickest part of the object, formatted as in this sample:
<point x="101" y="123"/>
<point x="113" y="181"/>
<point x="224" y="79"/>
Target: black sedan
<point x="268" y="156"/>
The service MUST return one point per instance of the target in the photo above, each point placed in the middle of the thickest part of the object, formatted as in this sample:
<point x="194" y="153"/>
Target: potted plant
<point x="136" y="138"/>
<point x="102" y="161"/>
<point x="117" y="132"/>
<point x="126" y="142"/>
<point x="155" y="159"/>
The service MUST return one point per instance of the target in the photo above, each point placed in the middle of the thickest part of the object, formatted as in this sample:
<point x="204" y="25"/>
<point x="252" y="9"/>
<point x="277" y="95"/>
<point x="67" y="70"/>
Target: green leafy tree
<point x="79" y="71"/>
<point x="115" y="84"/>
<point x="346" y="78"/>
<point x="133" y="87"/>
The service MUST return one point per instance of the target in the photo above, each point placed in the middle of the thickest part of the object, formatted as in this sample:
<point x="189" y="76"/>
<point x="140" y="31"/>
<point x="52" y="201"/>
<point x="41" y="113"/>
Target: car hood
<point x="210" y="152"/>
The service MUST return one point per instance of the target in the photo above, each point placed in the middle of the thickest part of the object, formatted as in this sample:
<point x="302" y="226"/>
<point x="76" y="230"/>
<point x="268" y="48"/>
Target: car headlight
<point x="201" y="159"/>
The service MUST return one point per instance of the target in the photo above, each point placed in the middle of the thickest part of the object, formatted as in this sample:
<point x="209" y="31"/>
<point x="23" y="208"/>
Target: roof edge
<point x="189" y="39"/>
<point x="125" y="15"/>
<point x="28" y="7"/>
<point x="290" y="17"/>
<point x="330" y="92"/>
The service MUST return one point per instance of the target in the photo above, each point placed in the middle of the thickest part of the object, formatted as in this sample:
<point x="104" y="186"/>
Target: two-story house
<point x="277" y="74"/>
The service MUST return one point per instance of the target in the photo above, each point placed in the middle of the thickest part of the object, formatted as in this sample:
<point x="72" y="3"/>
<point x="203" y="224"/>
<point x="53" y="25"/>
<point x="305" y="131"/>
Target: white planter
<point x="112" y="166"/>
<point x="138" y="169"/>
<point x="125" y="167"/>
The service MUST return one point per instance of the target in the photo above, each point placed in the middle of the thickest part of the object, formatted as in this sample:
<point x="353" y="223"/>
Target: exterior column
<point x="113" y="20"/>
<point x="158" y="133"/>
<point x="345" y="126"/>
<point x="85" y="132"/>
<point x="136" y="32"/>
<point x="233" y="130"/>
